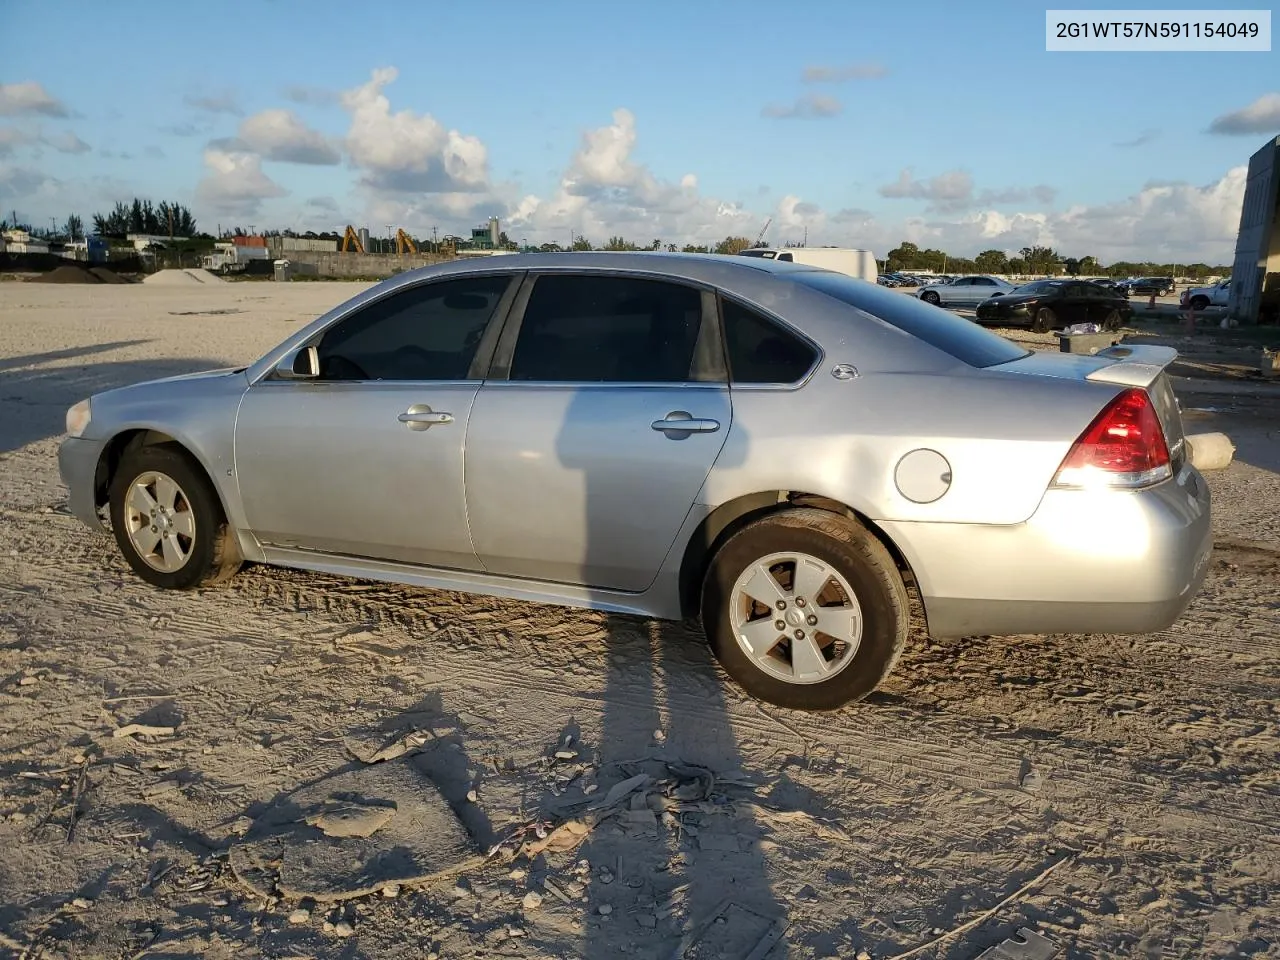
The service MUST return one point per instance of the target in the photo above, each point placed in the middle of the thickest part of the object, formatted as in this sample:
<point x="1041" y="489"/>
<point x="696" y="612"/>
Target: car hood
<point x="198" y="375"/>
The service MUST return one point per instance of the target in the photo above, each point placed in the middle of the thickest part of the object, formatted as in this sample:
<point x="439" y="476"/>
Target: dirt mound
<point x="184" y="278"/>
<point x="107" y="275"/>
<point x="68" y="274"/>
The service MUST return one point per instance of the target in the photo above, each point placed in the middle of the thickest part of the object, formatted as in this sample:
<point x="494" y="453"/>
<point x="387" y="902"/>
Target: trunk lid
<point x="1119" y="366"/>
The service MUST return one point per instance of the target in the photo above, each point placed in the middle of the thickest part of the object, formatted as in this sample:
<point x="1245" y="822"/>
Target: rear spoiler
<point x="1136" y="366"/>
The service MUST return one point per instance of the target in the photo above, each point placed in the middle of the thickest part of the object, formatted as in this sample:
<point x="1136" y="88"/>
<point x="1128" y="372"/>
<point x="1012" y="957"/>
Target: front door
<point x="583" y="463"/>
<point x="366" y="460"/>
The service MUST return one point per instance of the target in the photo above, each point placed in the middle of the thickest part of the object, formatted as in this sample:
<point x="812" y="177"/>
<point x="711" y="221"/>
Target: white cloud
<point x="225" y="102"/>
<point x="407" y="152"/>
<point x="851" y="71"/>
<point x="953" y="191"/>
<point x="26" y="184"/>
<point x="67" y="142"/>
<point x="235" y="183"/>
<point x="11" y="138"/>
<point x="1261" y="116"/>
<point x="810" y="106"/>
<point x="1141" y="140"/>
<point x="29" y="97"/>
<point x="313" y="96"/>
<point x="953" y="188"/>
<point x="279" y="135"/>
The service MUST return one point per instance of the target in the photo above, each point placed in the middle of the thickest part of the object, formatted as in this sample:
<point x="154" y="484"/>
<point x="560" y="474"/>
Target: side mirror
<point x="300" y="364"/>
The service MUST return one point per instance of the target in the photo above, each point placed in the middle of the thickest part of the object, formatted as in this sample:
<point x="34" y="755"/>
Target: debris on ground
<point x="352" y="834"/>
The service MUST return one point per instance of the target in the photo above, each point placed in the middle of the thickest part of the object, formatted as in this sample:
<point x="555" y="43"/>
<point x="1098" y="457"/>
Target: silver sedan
<point x="785" y="451"/>
<point x="963" y="291"/>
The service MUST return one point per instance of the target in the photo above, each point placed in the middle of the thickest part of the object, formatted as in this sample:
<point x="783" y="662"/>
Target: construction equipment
<point x="763" y="231"/>
<point x="351" y="241"/>
<point x="405" y="243"/>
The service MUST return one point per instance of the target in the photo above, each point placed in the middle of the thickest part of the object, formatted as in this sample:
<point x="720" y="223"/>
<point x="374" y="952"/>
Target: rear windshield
<point x="962" y="339"/>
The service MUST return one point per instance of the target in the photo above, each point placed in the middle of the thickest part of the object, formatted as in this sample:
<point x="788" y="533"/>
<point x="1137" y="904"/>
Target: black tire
<point x="1112" y="321"/>
<point x="214" y="551"/>
<point x="858" y="557"/>
<point x="1044" y="320"/>
<point x="1199" y="303"/>
<point x="929" y="296"/>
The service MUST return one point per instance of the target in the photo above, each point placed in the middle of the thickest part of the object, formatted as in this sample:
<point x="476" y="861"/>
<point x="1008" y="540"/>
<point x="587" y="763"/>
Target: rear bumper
<point x="78" y="465"/>
<point x="1086" y="562"/>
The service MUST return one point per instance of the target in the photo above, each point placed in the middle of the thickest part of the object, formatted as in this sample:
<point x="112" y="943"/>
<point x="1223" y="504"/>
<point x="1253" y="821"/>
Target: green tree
<point x="1089" y="266"/>
<point x="671" y="248"/>
<point x="991" y="261"/>
<point x="902" y="257"/>
<point x="732" y="245"/>
<point x="1041" y="259"/>
<point x="619" y="243"/>
<point x="73" y="229"/>
<point x="581" y="243"/>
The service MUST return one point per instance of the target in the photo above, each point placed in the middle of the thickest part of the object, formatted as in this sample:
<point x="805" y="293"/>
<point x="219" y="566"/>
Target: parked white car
<point x="1197" y="298"/>
<point x="964" y="291"/>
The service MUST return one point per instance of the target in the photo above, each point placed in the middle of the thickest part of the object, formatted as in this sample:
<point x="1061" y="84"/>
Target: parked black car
<point x="1145" y="286"/>
<point x="1044" y="305"/>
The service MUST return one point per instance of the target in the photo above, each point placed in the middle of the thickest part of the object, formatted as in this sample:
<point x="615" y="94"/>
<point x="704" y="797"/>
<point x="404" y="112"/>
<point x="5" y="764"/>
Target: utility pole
<point x="171" y="223"/>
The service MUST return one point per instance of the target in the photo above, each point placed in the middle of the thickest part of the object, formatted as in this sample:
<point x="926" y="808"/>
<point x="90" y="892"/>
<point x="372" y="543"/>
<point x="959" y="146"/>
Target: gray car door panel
<point x="358" y="468"/>
<point x="368" y="459"/>
<point x="574" y="480"/>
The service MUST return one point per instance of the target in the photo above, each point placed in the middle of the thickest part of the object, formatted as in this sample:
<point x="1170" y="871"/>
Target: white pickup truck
<point x="1197" y="298"/>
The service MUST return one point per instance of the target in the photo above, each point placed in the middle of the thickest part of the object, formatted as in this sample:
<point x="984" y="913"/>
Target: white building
<point x="19" y="241"/>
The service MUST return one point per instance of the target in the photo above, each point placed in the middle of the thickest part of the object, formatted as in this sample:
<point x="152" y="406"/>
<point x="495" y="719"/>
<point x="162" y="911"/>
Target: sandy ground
<point x="1128" y="784"/>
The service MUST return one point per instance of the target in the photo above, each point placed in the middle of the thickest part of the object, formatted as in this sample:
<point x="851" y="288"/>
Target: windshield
<point x="954" y="335"/>
<point x="1038" y="287"/>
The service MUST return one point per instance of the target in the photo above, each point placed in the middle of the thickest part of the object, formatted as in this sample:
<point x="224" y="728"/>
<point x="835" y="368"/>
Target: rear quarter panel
<point x="1004" y="436"/>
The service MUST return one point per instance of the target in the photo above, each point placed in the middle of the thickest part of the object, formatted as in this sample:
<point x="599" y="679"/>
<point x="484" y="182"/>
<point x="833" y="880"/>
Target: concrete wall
<point x="1259" y="229"/>
<point x="360" y="264"/>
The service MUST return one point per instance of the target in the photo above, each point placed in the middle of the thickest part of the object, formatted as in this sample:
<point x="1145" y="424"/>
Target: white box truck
<point x="855" y="263"/>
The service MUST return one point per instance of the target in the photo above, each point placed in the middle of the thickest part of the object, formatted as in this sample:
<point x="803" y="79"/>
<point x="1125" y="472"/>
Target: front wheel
<point x="168" y="521"/>
<point x="1044" y="320"/>
<point x="1112" y="321"/>
<point x="1199" y="303"/>
<point x="805" y="609"/>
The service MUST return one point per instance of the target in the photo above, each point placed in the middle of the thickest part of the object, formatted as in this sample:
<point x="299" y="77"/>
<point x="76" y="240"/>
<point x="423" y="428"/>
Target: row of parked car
<point x="1042" y="305"/>
<point x="1142" y="286"/>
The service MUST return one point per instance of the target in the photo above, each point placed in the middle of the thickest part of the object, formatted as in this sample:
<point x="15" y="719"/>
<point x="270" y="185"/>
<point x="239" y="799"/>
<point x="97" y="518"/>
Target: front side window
<point x="602" y="329"/>
<point x="761" y="351"/>
<point x="427" y="332"/>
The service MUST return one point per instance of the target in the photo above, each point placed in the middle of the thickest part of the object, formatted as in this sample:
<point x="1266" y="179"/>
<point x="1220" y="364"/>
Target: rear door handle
<point x="420" y="417"/>
<point x="680" y="422"/>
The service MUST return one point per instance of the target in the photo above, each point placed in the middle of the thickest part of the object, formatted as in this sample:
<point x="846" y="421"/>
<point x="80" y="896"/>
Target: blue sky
<point x="944" y="123"/>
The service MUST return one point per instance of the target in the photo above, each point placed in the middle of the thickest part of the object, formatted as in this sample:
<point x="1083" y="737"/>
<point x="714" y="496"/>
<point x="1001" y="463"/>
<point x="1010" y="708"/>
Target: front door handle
<point x="680" y="423"/>
<point x="421" y="417"/>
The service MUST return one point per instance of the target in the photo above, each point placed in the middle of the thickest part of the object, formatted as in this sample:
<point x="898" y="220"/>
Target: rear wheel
<point x="168" y="521"/>
<point x="1112" y="321"/>
<point x="929" y="296"/>
<point x="805" y="609"/>
<point x="1044" y="320"/>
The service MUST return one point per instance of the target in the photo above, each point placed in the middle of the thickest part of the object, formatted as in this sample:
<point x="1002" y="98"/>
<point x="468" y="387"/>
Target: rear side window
<point x="594" y="329"/>
<point x="962" y="339"/>
<point x="760" y="351"/>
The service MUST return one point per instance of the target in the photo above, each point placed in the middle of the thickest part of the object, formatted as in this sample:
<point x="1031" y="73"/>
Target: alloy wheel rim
<point x="159" y="521"/>
<point x="796" y="617"/>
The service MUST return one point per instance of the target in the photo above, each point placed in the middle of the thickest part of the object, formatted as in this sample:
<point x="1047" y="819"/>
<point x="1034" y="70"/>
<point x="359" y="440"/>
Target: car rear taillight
<point x="1123" y="447"/>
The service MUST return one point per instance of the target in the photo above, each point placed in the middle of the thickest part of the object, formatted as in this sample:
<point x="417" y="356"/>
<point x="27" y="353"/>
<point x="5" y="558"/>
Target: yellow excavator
<point x="404" y="243"/>
<point x="351" y="241"/>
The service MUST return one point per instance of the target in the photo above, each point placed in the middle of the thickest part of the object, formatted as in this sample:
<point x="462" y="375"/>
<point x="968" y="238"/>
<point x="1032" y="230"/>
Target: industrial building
<point x="1255" y="274"/>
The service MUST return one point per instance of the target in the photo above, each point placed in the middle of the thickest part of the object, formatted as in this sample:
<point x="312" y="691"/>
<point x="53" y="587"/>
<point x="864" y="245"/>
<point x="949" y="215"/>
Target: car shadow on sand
<point x="34" y="396"/>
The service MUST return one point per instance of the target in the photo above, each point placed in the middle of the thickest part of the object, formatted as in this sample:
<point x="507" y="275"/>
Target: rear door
<point x="604" y="413"/>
